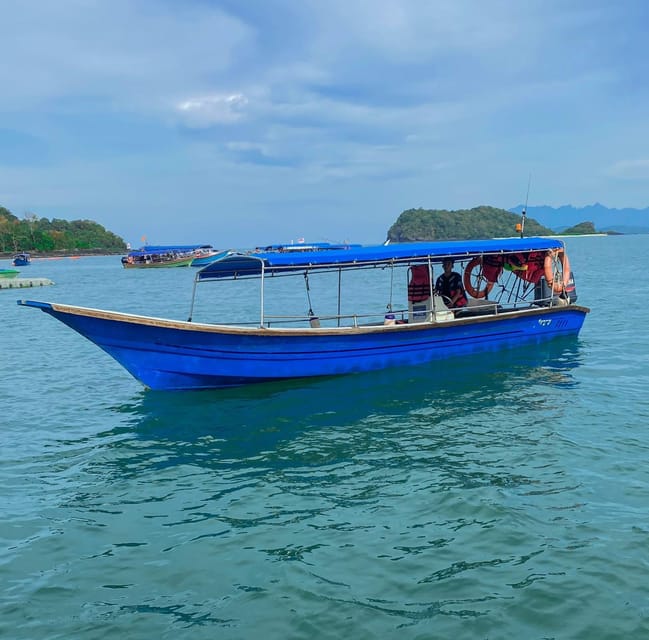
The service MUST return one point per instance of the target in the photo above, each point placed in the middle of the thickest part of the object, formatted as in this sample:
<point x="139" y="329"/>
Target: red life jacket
<point x="492" y="267"/>
<point x="419" y="285"/>
<point x="527" y="266"/>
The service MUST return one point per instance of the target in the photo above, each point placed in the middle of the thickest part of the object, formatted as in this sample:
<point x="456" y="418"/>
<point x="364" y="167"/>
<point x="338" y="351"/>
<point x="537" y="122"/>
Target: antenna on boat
<point x="520" y="227"/>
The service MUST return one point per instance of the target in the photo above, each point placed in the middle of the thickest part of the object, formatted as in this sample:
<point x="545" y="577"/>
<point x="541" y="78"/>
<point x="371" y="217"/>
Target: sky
<point x="247" y="122"/>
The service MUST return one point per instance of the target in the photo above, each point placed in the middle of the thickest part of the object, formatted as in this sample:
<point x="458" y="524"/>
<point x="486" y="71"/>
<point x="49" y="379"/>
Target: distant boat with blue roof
<point x="22" y="259"/>
<point x="155" y="256"/>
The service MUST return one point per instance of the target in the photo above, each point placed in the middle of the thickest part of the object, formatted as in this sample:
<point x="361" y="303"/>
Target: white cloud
<point x="212" y="110"/>
<point x="630" y="170"/>
<point x="132" y="56"/>
<point x="246" y="146"/>
<point x="429" y="102"/>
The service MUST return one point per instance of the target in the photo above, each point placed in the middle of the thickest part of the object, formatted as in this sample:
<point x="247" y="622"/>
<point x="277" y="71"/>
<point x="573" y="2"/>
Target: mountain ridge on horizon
<point x="624" y="220"/>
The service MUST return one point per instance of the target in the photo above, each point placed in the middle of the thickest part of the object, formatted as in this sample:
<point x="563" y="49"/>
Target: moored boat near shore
<point x="22" y="259"/>
<point x="302" y="247"/>
<point x="520" y="292"/>
<point x="154" y="256"/>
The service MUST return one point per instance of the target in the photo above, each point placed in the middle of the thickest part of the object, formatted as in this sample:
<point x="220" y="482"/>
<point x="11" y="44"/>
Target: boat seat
<point x="430" y="310"/>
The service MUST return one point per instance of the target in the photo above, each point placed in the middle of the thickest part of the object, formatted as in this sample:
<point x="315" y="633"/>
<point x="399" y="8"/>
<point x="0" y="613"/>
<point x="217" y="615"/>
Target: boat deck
<point x="22" y="283"/>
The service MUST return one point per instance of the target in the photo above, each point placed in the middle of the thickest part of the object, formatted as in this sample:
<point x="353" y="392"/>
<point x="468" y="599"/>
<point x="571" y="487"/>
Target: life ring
<point x="558" y="284"/>
<point x="468" y="286"/>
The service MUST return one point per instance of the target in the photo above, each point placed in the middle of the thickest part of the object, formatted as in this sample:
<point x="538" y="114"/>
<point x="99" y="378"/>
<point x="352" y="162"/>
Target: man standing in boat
<point x="449" y="286"/>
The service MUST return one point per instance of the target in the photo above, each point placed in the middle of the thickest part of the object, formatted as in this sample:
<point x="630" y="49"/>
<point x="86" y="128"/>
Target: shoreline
<point x="35" y="255"/>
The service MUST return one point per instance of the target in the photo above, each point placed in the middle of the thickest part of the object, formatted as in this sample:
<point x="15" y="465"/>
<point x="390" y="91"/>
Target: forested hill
<point x="464" y="224"/>
<point x="479" y="223"/>
<point x="42" y="235"/>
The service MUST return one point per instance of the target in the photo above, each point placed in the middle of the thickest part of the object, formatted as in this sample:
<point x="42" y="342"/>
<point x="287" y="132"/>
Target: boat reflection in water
<point x="262" y="423"/>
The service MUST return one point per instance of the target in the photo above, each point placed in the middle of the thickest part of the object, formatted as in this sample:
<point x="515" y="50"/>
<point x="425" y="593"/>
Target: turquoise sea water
<point x="496" y="497"/>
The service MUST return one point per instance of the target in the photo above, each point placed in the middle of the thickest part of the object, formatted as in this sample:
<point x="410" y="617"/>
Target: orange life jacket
<point x="419" y="285"/>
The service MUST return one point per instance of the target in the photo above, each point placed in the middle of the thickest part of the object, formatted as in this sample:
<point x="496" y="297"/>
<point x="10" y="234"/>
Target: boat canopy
<point x="238" y="265"/>
<point x="174" y="247"/>
<point x="152" y="249"/>
<point x="311" y="246"/>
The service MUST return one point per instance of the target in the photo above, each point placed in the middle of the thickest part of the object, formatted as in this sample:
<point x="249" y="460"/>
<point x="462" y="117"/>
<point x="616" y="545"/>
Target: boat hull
<point x="173" y="355"/>
<point x="178" y="262"/>
<point x="202" y="261"/>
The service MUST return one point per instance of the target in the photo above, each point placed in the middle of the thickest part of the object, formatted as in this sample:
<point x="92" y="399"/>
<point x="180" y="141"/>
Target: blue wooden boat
<point x="21" y="259"/>
<point x="209" y="257"/>
<point x="303" y="246"/>
<point x="520" y="293"/>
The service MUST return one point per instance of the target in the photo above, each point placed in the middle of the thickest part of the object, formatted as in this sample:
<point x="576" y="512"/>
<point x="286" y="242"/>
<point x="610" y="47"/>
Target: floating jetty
<point x="21" y="283"/>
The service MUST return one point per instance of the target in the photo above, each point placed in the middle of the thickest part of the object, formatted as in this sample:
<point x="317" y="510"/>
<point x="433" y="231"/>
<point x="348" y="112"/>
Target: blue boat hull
<point x="169" y="355"/>
<point x="202" y="261"/>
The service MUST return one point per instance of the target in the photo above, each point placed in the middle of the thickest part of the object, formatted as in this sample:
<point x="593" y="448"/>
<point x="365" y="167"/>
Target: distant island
<point x="470" y="224"/>
<point x="606" y="219"/>
<point x="40" y="235"/>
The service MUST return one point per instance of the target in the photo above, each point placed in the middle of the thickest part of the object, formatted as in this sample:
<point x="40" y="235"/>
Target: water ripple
<point x="502" y="496"/>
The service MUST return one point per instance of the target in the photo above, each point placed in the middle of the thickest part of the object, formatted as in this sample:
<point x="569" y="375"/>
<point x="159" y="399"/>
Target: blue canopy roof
<point x="173" y="247"/>
<point x="238" y="265"/>
<point x="151" y="249"/>
<point x="304" y="246"/>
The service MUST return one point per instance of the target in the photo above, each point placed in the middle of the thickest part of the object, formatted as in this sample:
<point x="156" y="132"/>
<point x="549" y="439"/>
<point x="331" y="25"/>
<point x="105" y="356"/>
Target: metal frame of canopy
<point x="262" y="264"/>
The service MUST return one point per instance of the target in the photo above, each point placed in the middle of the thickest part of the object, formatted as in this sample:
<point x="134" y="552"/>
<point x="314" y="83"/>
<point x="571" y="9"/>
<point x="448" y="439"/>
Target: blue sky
<point x="241" y="122"/>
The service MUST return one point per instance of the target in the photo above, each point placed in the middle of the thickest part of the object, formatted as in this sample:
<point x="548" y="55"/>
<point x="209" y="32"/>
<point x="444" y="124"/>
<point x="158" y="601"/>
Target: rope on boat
<point x="389" y="305"/>
<point x="308" y="293"/>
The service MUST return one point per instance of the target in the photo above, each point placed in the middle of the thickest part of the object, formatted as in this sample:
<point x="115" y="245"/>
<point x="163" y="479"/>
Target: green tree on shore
<point x="43" y="235"/>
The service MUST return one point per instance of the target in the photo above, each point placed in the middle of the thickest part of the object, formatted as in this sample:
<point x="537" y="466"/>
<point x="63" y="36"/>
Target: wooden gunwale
<point x="185" y="325"/>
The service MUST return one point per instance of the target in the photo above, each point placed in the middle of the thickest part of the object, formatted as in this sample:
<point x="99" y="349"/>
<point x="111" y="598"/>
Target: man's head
<point x="447" y="264"/>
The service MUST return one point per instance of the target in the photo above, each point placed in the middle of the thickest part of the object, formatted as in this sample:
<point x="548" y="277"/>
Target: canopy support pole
<point x="340" y="275"/>
<point x="389" y="307"/>
<point x="261" y="293"/>
<point x="191" y="306"/>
